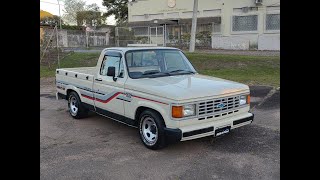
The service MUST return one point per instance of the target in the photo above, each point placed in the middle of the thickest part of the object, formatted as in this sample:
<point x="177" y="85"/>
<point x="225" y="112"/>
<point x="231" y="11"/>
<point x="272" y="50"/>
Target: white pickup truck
<point x="158" y="91"/>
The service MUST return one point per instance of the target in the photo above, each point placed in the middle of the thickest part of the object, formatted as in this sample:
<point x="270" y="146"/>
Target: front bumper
<point x="176" y="135"/>
<point x="172" y="135"/>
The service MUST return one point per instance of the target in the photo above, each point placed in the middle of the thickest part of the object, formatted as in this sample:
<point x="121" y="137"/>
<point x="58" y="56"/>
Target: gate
<point x="157" y="35"/>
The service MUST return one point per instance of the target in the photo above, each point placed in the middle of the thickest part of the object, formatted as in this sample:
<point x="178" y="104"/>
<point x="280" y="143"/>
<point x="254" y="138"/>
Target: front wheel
<point x="151" y="129"/>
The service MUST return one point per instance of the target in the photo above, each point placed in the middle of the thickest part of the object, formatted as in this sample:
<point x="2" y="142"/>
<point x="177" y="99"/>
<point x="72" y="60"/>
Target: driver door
<point x="106" y="89"/>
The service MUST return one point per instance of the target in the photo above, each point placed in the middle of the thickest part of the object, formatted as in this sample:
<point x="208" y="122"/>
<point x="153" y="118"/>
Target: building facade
<point x="221" y="24"/>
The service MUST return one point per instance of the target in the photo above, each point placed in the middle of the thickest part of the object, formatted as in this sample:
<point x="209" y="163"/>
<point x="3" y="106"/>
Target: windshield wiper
<point x="155" y="74"/>
<point x="181" y="70"/>
<point x="150" y="72"/>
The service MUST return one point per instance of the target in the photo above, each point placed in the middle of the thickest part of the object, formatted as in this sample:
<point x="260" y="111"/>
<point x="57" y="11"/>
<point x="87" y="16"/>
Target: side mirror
<point x="112" y="72"/>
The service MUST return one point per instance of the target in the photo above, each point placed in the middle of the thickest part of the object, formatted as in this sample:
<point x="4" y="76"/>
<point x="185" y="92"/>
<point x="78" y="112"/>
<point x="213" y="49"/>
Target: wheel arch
<point x="72" y="89"/>
<point x="140" y="109"/>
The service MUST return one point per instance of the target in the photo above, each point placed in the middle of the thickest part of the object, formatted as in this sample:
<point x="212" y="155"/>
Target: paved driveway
<point x="99" y="148"/>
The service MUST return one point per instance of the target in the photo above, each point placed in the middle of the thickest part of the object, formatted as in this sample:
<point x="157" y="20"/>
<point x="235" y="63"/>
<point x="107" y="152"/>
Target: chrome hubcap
<point x="73" y="105"/>
<point x="149" y="130"/>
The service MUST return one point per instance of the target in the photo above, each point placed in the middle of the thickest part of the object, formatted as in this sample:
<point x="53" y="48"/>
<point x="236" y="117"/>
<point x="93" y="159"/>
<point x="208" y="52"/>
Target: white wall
<point x="269" y="42"/>
<point x="235" y="42"/>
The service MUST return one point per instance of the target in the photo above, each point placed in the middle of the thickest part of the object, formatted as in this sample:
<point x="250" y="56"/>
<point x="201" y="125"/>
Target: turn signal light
<point x="177" y="111"/>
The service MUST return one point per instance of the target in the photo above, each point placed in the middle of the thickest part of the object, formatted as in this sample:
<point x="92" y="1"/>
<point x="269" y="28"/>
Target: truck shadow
<point x="248" y="139"/>
<point x="273" y="102"/>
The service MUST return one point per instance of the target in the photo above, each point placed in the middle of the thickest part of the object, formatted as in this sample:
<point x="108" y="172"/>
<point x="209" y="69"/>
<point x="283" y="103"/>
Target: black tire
<point x="158" y="125"/>
<point x="75" y="102"/>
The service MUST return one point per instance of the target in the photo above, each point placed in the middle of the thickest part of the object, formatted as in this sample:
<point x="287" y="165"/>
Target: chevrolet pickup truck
<point x="158" y="91"/>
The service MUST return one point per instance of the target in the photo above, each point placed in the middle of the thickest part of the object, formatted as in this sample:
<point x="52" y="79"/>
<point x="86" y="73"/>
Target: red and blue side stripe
<point x="115" y="95"/>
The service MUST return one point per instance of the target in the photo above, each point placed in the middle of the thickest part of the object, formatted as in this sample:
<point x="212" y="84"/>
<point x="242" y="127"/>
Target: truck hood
<point x="186" y="87"/>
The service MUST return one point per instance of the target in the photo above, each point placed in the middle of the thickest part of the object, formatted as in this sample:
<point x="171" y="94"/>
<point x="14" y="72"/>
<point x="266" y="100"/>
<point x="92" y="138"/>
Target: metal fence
<point x="128" y="35"/>
<point x="79" y="38"/>
<point x="69" y="40"/>
<point x="179" y="35"/>
<point x="166" y="35"/>
<point x="49" y="53"/>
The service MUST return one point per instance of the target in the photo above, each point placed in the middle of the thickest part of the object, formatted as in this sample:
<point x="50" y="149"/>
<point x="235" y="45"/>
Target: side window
<point x="112" y="61"/>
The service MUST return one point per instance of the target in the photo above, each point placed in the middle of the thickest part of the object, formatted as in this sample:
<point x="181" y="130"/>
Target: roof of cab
<point x="125" y="49"/>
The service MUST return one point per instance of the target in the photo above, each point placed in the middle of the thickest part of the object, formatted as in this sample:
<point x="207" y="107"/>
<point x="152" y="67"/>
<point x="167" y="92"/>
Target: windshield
<point x="157" y="63"/>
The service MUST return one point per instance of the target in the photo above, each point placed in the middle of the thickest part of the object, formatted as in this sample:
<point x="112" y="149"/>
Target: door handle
<point x="98" y="79"/>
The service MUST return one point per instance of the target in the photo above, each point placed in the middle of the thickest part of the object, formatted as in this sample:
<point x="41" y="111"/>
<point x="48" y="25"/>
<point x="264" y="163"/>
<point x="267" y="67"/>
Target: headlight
<point x="183" y="111"/>
<point x="189" y="110"/>
<point x="244" y="99"/>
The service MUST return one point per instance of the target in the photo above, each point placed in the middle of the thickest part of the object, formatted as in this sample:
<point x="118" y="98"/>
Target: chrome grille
<point x="218" y="105"/>
<point x="218" y="115"/>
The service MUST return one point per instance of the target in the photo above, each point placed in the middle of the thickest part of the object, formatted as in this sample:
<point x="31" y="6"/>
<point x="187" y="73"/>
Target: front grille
<point x="218" y="115"/>
<point x="218" y="105"/>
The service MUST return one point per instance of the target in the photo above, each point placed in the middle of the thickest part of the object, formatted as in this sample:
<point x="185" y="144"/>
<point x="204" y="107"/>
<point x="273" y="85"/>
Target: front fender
<point x="163" y="109"/>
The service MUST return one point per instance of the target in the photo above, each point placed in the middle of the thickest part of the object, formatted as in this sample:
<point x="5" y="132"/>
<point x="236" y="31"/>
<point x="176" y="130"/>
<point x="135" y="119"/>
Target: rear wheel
<point x="76" y="108"/>
<point x="151" y="129"/>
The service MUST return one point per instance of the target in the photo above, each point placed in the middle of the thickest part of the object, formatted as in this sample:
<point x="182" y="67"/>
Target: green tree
<point x="44" y="14"/>
<point x="118" y="8"/>
<point x="71" y="7"/>
<point x="93" y="7"/>
<point x="50" y="21"/>
<point x="77" y="12"/>
<point x="92" y="18"/>
<point x="91" y="15"/>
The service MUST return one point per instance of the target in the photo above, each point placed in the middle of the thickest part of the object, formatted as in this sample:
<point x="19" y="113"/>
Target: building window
<point x="245" y="23"/>
<point x="140" y="31"/>
<point x="204" y="28"/>
<point x="273" y="22"/>
<point x="160" y="31"/>
<point x="153" y="31"/>
<point x="186" y="29"/>
<point x="173" y="32"/>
